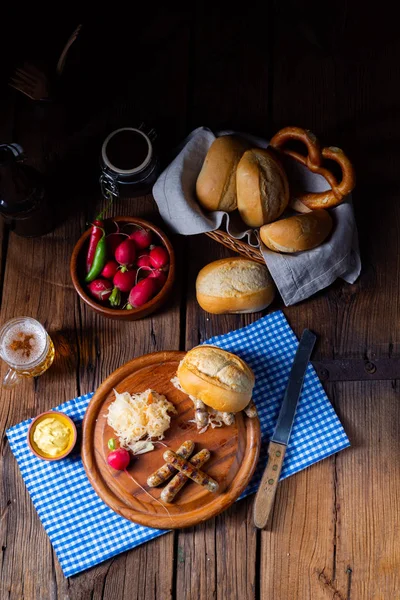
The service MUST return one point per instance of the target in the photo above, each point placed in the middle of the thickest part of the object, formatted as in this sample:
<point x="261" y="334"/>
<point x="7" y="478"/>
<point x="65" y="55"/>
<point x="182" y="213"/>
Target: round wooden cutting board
<point x="234" y="450"/>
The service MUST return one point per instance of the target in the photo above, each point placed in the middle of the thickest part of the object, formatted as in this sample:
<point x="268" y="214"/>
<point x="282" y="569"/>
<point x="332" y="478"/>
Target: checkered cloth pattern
<point x="84" y="531"/>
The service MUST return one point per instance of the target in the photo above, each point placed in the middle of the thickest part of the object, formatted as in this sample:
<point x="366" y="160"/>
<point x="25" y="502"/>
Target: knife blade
<point x="287" y="413"/>
<point x="280" y="438"/>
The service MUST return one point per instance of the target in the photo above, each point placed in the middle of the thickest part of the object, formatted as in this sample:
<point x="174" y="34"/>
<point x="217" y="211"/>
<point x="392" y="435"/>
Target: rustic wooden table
<point x="335" y="527"/>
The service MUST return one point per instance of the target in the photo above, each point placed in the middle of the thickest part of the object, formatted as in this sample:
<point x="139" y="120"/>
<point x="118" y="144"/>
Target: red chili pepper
<point x="95" y="236"/>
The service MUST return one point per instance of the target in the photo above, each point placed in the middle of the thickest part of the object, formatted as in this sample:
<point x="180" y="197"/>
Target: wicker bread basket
<point x="303" y="201"/>
<point x="236" y="245"/>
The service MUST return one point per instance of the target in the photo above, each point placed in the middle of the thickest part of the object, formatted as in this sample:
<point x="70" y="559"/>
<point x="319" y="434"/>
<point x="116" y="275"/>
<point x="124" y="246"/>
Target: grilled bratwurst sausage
<point x="190" y="471"/>
<point x="166" y="471"/>
<point x="200" y="414"/>
<point x="176" y="484"/>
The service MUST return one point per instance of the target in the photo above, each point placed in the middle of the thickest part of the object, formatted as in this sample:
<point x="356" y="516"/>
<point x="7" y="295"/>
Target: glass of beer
<point x="26" y="347"/>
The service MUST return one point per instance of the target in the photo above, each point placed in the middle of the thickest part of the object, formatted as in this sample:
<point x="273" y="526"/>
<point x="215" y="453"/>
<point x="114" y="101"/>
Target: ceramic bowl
<point x="65" y="420"/>
<point x="77" y="269"/>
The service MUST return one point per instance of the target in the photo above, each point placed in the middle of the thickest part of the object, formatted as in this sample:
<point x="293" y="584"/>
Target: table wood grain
<point x="334" y="531"/>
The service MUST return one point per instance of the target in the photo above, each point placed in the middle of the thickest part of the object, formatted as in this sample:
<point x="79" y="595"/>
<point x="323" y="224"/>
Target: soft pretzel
<point x="314" y="162"/>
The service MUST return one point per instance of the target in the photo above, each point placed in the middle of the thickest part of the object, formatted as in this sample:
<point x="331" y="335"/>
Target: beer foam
<point x="23" y="343"/>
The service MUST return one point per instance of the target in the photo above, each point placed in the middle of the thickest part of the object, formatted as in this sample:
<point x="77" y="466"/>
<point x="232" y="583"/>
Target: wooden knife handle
<point x="269" y="482"/>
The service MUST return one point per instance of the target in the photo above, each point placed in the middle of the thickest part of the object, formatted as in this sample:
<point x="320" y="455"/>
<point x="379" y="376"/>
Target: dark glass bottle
<point x="23" y="200"/>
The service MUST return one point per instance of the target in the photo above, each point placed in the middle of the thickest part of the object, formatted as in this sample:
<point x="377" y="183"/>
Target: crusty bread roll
<point x="234" y="285"/>
<point x="218" y="378"/>
<point x="262" y="187"/>
<point x="216" y="183"/>
<point x="298" y="233"/>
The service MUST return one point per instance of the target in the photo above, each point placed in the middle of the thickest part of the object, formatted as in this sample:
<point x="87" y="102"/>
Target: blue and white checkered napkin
<point x="85" y="532"/>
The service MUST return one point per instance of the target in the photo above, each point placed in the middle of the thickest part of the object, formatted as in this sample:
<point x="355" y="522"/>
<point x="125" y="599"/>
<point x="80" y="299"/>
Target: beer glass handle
<point x="11" y="379"/>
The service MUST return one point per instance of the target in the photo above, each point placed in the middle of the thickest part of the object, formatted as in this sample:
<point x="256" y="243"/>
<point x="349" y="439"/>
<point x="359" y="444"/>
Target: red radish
<point x="159" y="277"/>
<point x="123" y="281"/>
<point x="142" y="293"/>
<point x="113" y="241"/>
<point x="159" y="257"/>
<point x="142" y="238"/>
<point x="125" y="254"/>
<point x="144" y="262"/>
<point x="100" y="289"/>
<point x="109" y="270"/>
<point x="119" y="459"/>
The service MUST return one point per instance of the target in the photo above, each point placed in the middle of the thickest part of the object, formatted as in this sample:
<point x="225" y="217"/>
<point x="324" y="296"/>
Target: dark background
<point x="333" y="68"/>
<point x="342" y="61"/>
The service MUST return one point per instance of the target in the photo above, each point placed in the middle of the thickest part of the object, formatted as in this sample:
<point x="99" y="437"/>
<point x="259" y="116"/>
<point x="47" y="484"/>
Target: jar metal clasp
<point x="108" y="185"/>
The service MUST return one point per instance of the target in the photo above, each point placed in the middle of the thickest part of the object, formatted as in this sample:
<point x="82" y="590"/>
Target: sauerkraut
<point x="139" y="416"/>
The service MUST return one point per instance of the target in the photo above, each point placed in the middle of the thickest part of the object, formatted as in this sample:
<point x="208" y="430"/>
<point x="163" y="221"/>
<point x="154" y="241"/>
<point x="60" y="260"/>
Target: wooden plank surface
<point x="353" y="321"/>
<point x="219" y="100"/>
<point x="334" y="530"/>
<point x="347" y="102"/>
<point x="299" y="541"/>
<point x="51" y="299"/>
<point x="368" y="492"/>
<point x="150" y="566"/>
<point x="88" y="349"/>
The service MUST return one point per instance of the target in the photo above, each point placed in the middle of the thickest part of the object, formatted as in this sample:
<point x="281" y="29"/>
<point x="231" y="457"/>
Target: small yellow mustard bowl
<point x="61" y="421"/>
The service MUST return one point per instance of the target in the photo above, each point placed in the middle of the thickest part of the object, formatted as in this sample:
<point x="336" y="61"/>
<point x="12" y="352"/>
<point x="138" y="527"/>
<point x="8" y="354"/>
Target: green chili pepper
<point x="111" y="444"/>
<point x="99" y="259"/>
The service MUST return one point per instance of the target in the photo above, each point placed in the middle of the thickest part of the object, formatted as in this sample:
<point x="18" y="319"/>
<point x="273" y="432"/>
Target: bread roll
<point x="218" y="378"/>
<point x="234" y="285"/>
<point x="295" y="234"/>
<point x="216" y="183"/>
<point x="262" y="187"/>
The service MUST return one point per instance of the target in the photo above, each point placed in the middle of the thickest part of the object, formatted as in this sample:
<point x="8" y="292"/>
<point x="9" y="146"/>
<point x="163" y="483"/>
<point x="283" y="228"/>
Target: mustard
<point x="51" y="436"/>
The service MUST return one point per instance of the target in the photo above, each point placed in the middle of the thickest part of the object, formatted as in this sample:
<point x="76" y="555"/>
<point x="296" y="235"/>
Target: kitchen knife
<point x="280" y="438"/>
